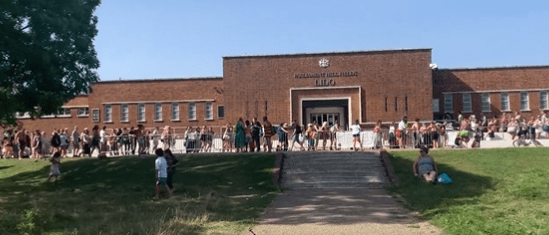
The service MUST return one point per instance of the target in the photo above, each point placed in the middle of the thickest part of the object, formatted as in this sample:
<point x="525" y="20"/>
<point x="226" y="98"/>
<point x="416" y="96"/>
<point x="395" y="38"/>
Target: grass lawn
<point x="495" y="191"/>
<point x="223" y="195"/>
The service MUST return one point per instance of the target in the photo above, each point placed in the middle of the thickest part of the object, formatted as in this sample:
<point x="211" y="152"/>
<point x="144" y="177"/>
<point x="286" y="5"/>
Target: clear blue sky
<point x="141" y="39"/>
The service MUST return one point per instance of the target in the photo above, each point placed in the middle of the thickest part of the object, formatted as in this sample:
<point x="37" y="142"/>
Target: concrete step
<point x="312" y="178"/>
<point x="331" y="161"/>
<point x="332" y="155"/>
<point x="334" y="184"/>
<point x="333" y="168"/>
<point x="333" y="174"/>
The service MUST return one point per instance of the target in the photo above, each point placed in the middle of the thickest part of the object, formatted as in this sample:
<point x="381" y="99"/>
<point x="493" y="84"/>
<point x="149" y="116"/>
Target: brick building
<point x="341" y="86"/>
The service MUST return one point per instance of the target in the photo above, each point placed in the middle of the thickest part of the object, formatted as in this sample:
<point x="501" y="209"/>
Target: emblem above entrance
<point x="324" y="63"/>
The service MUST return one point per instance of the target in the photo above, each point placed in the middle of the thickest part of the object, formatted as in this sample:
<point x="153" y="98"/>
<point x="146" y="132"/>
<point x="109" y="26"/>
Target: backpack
<point x="55" y="140"/>
<point x="444" y="179"/>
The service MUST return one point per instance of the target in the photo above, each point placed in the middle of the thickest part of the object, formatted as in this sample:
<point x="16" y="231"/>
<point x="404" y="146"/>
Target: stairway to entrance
<point x="333" y="170"/>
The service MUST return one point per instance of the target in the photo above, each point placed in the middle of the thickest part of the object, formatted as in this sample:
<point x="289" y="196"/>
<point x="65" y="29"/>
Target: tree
<point x="47" y="54"/>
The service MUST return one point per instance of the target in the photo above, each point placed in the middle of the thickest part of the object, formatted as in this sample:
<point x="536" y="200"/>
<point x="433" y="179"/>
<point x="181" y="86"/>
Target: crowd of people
<point x="255" y="136"/>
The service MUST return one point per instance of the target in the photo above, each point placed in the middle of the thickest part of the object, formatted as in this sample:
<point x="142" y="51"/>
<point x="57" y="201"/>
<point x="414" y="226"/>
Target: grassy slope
<point x="115" y="196"/>
<point x="497" y="191"/>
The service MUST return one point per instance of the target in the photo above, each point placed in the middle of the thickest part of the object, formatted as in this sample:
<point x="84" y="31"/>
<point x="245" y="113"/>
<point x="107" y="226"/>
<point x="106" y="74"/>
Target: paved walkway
<point x="339" y="211"/>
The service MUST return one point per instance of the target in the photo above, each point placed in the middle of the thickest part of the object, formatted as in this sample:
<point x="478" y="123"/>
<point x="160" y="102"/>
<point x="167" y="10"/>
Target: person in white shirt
<point x="103" y="140"/>
<point x="355" y="131"/>
<point x="161" y="167"/>
<point x="402" y="125"/>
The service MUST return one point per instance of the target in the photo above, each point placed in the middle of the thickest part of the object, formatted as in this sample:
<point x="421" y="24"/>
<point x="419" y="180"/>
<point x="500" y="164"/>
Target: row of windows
<point x="65" y="112"/>
<point x="486" y="102"/>
<point x="191" y="115"/>
<point x="396" y="104"/>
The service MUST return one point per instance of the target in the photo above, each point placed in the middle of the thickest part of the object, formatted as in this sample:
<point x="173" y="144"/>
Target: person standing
<point x="172" y="161"/>
<point x="75" y="139"/>
<point x="86" y="142"/>
<point x="268" y="133"/>
<point x="37" y="145"/>
<point x="103" y="139"/>
<point x="377" y="136"/>
<point x="64" y="143"/>
<point x="402" y="126"/>
<point x="240" y="136"/>
<point x="333" y="136"/>
<point x="355" y="131"/>
<point x="256" y="129"/>
<point x="161" y="169"/>
<point x="298" y="131"/>
<point x="95" y="140"/>
<point x="21" y="140"/>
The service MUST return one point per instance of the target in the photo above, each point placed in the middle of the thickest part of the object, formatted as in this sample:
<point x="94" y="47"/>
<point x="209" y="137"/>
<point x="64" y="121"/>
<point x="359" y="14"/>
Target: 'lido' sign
<point x="325" y="82"/>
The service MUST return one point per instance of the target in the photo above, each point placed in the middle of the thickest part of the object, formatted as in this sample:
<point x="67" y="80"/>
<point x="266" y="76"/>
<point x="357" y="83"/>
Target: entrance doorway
<point x="326" y="111"/>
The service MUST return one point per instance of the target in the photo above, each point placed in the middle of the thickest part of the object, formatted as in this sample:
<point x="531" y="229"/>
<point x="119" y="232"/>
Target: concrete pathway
<point x="339" y="211"/>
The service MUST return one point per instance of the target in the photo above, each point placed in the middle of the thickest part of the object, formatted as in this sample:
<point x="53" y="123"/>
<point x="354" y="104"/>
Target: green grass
<point x="223" y="195"/>
<point x="495" y="191"/>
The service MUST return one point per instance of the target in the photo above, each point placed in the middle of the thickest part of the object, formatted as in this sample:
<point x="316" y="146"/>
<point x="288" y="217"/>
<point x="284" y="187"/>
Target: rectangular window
<point x="220" y="111"/>
<point x="64" y="113"/>
<point x="83" y="112"/>
<point x="209" y="110"/>
<point x="141" y="112"/>
<point x="108" y="113"/>
<point x="448" y="103"/>
<point x="175" y="111"/>
<point x="406" y="103"/>
<point x="436" y="108"/>
<point x="386" y="104"/>
<point x="95" y="115"/>
<point x="124" y="112"/>
<point x="467" y="107"/>
<point x="158" y="112"/>
<point x="505" y="101"/>
<point x="524" y="102"/>
<point x="396" y="103"/>
<point x="192" y="111"/>
<point x="543" y="100"/>
<point x="485" y="98"/>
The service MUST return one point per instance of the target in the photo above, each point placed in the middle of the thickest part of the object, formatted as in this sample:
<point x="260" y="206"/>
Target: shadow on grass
<point x="422" y="196"/>
<point x="117" y="194"/>
<point x="4" y="167"/>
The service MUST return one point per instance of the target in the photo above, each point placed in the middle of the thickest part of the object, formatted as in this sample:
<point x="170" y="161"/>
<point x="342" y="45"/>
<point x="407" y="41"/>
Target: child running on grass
<point x="161" y="167"/>
<point x="54" y="169"/>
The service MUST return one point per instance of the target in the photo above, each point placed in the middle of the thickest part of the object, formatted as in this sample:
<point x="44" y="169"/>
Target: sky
<point x="143" y="39"/>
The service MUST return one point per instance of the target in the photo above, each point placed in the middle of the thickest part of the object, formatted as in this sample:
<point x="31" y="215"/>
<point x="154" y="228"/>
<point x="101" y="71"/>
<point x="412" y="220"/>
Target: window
<point x="124" y="112"/>
<point x="386" y="100"/>
<point x="220" y="111"/>
<point x="543" y="100"/>
<point x="108" y="113"/>
<point x="175" y="111"/>
<point x="485" y="98"/>
<point x="192" y="111"/>
<point x="524" y="103"/>
<point x="448" y="103"/>
<point x="209" y="110"/>
<point x="158" y="112"/>
<point x="25" y="115"/>
<point x="396" y="103"/>
<point x="406" y="103"/>
<point x="436" y="109"/>
<point x="141" y="112"/>
<point x="467" y="107"/>
<point x="505" y="101"/>
<point x="64" y="113"/>
<point x="95" y="115"/>
<point x="83" y="112"/>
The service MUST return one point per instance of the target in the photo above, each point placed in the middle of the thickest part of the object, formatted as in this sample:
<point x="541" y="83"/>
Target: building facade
<point x="342" y="86"/>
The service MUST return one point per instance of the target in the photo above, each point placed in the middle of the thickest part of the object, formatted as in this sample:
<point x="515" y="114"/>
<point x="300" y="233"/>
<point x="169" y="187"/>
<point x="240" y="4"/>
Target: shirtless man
<point x="21" y="140"/>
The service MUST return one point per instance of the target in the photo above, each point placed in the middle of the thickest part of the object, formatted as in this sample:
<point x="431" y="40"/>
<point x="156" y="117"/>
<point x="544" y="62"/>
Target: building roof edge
<point x="330" y="53"/>
<point x="157" y="80"/>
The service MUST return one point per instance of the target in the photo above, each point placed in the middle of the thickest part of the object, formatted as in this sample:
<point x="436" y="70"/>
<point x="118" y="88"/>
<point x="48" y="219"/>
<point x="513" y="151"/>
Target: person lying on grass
<point x="161" y="167"/>
<point x="425" y="166"/>
<point x="54" y="169"/>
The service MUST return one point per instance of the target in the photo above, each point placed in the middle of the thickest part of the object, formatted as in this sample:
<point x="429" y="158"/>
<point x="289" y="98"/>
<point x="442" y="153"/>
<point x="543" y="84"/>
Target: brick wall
<point x="493" y="81"/>
<point x="401" y="74"/>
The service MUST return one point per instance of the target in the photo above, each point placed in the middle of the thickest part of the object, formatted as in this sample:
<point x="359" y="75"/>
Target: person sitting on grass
<point x="54" y="169"/>
<point x="161" y="167"/>
<point x="425" y="166"/>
